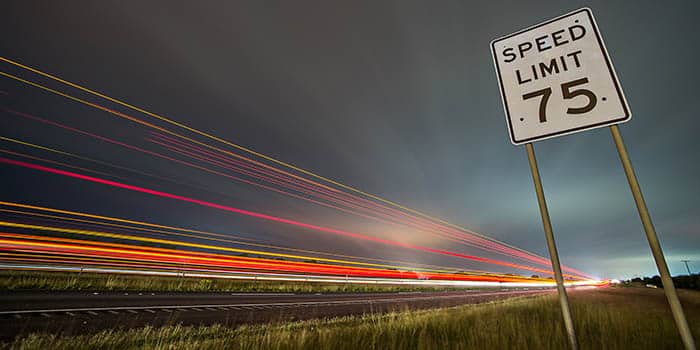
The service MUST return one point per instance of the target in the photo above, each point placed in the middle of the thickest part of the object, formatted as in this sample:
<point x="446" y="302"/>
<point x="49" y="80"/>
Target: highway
<point x="85" y="312"/>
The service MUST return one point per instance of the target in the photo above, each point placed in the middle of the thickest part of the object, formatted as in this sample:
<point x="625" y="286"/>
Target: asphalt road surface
<point x="85" y="312"/>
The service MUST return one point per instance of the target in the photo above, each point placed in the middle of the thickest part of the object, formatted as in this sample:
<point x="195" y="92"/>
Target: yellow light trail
<point x="223" y="239"/>
<point x="72" y="155"/>
<point x="449" y="237"/>
<point x="201" y="246"/>
<point x="73" y="247"/>
<point x="136" y="120"/>
<point x="54" y="258"/>
<point x="60" y="163"/>
<point x="206" y="246"/>
<point x="441" y="269"/>
<point x="228" y="143"/>
<point x="113" y="248"/>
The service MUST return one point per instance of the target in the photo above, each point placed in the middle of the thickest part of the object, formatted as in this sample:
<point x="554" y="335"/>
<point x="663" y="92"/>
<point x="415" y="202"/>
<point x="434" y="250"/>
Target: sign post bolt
<point x="666" y="280"/>
<point x="554" y="255"/>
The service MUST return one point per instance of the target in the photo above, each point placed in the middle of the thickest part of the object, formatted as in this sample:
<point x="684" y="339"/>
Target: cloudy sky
<point x="397" y="98"/>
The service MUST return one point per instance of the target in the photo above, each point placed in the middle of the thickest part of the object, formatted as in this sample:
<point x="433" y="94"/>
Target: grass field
<point x="33" y="280"/>
<point x="613" y="318"/>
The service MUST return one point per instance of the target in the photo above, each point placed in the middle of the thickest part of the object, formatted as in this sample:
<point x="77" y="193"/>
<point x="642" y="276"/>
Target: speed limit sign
<point x="556" y="78"/>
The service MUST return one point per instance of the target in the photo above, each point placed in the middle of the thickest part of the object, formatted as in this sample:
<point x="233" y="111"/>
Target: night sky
<point x="399" y="99"/>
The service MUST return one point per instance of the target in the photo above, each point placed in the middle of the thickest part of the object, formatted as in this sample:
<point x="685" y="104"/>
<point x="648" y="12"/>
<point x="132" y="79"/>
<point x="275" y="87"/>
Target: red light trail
<point x="264" y="216"/>
<point x="242" y="165"/>
<point x="487" y="245"/>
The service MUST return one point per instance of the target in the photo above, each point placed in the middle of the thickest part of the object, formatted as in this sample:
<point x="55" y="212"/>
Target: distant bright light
<point x="307" y="278"/>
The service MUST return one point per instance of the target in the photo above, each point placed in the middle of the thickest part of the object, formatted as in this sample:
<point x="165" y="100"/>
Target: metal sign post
<point x="666" y="280"/>
<point x="553" y="254"/>
<point x="556" y="78"/>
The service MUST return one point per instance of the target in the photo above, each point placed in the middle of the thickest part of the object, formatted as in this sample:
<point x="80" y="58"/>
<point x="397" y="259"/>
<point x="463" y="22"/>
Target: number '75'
<point x="567" y="93"/>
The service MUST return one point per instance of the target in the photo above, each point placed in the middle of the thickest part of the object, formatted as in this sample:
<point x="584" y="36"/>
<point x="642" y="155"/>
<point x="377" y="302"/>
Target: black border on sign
<point x="616" y="82"/>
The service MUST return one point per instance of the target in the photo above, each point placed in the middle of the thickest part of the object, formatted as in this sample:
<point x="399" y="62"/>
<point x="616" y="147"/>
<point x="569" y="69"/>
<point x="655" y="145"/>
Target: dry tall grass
<point x="624" y="318"/>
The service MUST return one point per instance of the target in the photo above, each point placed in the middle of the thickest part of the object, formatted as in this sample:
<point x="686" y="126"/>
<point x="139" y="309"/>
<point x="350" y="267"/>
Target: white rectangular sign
<point x="556" y="78"/>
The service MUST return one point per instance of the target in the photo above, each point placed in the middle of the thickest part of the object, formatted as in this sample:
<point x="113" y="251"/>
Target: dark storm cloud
<point x="400" y="99"/>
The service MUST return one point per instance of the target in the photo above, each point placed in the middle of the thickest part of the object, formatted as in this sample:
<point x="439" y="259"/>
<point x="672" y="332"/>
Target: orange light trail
<point x="515" y="250"/>
<point x="29" y="243"/>
<point x="265" y="216"/>
<point x="220" y="140"/>
<point x="376" y="213"/>
<point x="215" y="237"/>
<point x="412" y="224"/>
<point x="201" y="246"/>
<point x="316" y="189"/>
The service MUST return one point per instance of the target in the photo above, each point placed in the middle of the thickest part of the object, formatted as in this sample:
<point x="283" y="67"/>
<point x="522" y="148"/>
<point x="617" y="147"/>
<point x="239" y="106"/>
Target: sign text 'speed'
<point x="543" y="43"/>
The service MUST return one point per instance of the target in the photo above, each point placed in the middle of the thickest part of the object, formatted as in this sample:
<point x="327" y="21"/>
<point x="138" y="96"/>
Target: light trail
<point x="228" y="143"/>
<point x="138" y="149"/>
<point x="400" y="264"/>
<point x="266" y="217"/>
<point x="155" y="154"/>
<point x="211" y="235"/>
<point x="93" y="249"/>
<point x="384" y="218"/>
<point x="65" y="246"/>
<point x="191" y="245"/>
<point x="186" y="261"/>
<point x="71" y="155"/>
<point x="109" y="218"/>
<point x="102" y="138"/>
<point x="379" y="214"/>
<point x="103" y="163"/>
<point x="17" y="154"/>
<point x="356" y="205"/>
<point x="178" y="161"/>
<point x="305" y="278"/>
<point x="373" y="208"/>
<point x="169" y="121"/>
<point x="206" y="246"/>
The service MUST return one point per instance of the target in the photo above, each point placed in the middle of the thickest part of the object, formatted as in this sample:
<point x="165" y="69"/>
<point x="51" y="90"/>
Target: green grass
<point x="72" y="281"/>
<point x="615" y="318"/>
